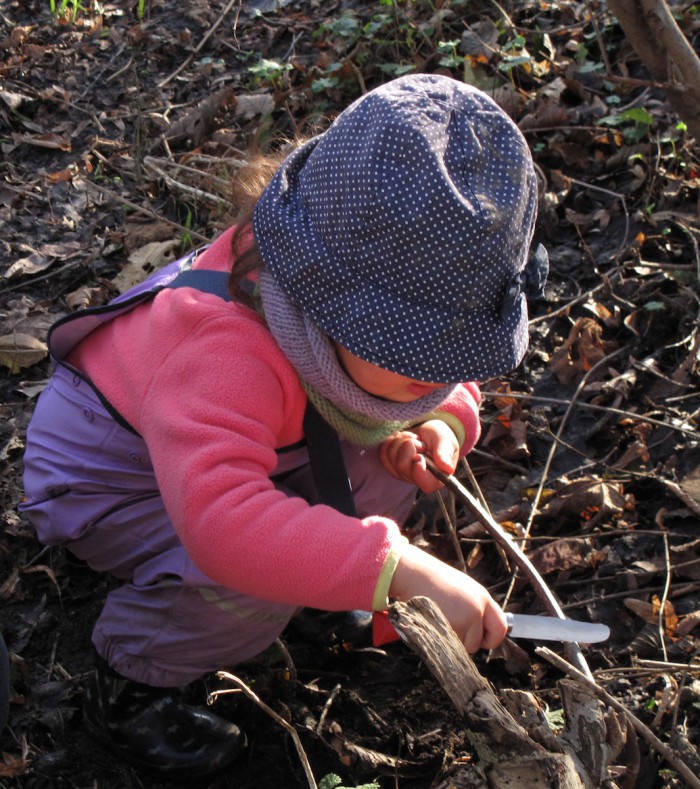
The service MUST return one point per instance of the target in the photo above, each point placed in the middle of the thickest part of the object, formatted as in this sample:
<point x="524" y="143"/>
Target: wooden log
<point x="508" y="756"/>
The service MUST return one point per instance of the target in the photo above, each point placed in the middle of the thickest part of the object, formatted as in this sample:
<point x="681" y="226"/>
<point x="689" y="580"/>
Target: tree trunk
<point x="655" y="36"/>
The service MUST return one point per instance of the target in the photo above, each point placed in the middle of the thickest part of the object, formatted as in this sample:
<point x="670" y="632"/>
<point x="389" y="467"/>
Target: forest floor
<point x="119" y="132"/>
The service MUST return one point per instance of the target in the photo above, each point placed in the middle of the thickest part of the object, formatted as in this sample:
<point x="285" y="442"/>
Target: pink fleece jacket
<point x="209" y="390"/>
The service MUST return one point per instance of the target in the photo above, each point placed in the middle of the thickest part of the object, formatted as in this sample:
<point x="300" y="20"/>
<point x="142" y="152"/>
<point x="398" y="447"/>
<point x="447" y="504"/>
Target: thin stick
<point x="562" y="425"/>
<point x="593" y="407"/>
<point x="204" y="40"/>
<point x="459" y="557"/>
<point x="191" y="190"/>
<point x="282" y="722"/>
<point x="519" y="558"/>
<point x="613" y="276"/>
<point x="664" y="597"/>
<point x="664" y="750"/>
<point x="148" y="212"/>
<point x="326" y="708"/>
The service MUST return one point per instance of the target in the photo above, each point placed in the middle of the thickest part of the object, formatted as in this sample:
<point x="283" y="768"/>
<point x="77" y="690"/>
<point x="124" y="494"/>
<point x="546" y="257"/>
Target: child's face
<point x="382" y="383"/>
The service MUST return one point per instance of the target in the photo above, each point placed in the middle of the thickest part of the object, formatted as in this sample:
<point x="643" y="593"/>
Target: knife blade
<point x="551" y="628"/>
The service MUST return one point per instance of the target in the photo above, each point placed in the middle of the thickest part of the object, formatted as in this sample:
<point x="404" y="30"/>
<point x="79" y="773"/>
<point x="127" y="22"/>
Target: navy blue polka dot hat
<point x="403" y="231"/>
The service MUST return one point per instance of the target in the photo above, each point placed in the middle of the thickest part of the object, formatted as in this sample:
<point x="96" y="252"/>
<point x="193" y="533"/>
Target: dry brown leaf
<point x="507" y="434"/>
<point x="583" y="348"/>
<point x="688" y="623"/>
<point x="42" y="568"/>
<point x="12" y="766"/>
<point x="18" y="351"/>
<point x="589" y="500"/>
<point x="145" y="261"/>
<point x="649" y="612"/>
<point x="564" y="555"/>
<point x="87" y="297"/>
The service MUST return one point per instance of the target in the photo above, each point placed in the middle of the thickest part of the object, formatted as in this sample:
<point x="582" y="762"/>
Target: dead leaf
<point x="649" y="612"/>
<point x="12" y="766"/>
<point x="88" y="297"/>
<point x="138" y="234"/>
<point x="590" y="501"/>
<point x="51" y="141"/>
<point x="564" y="555"/>
<point x="688" y="623"/>
<point x="13" y="100"/>
<point x="201" y="121"/>
<point x="254" y="104"/>
<point x="145" y="261"/>
<point x="582" y="350"/>
<point x="18" y="351"/>
<point x="507" y="434"/>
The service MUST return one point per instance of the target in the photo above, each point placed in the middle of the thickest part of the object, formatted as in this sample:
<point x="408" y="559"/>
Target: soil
<point x="119" y="133"/>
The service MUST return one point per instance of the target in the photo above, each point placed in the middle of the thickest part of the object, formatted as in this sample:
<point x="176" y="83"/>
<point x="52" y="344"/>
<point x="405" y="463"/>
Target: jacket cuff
<point x="453" y="422"/>
<point x="380" y="601"/>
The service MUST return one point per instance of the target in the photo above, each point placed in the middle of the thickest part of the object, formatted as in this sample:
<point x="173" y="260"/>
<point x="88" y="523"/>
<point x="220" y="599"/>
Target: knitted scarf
<point x="358" y="416"/>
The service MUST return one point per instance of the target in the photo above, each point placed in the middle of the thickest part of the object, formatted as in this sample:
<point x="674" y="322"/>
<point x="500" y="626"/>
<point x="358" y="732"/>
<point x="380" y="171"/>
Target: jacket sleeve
<point x="214" y="413"/>
<point x="461" y="412"/>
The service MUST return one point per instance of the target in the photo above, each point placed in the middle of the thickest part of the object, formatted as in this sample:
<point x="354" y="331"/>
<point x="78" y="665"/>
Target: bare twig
<point x="594" y="407"/>
<point x="451" y="528"/>
<point x="664" y="597"/>
<point x="519" y="558"/>
<point x="326" y="708"/>
<point x="616" y="274"/>
<point x="191" y="190"/>
<point x="199" y="46"/>
<point x="661" y="748"/>
<point x="149" y="212"/>
<point x="562" y="425"/>
<point x="277" y="718"/>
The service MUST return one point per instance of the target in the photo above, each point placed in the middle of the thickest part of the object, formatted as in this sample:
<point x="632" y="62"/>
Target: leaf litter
<point x="118" y="137"/>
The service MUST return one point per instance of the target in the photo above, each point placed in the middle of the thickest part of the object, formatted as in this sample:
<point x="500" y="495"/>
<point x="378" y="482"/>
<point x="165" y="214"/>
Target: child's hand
<point x="403" y="454"/>
<point x="474" y="615"/>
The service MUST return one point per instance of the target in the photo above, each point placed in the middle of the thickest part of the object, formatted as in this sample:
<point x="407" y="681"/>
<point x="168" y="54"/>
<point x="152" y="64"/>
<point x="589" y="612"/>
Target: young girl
<point x="187" y="443"/>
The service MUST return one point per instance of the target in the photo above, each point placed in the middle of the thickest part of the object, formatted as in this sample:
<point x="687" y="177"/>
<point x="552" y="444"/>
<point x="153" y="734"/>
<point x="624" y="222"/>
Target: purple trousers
<point x="90" y="486"/>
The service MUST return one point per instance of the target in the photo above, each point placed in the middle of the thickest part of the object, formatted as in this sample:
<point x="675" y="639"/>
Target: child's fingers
<point x="424" y="478"/>
<point x="399" y="453"/>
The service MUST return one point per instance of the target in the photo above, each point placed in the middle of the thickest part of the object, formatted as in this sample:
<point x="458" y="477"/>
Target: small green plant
<point x="450" y="56"/>
<point x="333" y="781"/>
<point x="270" y="71"/>
<point x="641" y="122"/>
<point x="141" y="9"/>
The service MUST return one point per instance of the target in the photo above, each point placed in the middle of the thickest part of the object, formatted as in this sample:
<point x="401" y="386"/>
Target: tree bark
<point x="655" y="36"/>
<point x="508" y="756"/>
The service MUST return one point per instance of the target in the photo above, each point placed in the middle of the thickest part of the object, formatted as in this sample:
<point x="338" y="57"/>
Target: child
<point x="381" y="266"/>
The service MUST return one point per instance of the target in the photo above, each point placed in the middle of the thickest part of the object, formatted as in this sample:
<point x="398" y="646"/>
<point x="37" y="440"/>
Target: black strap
<point x="327" y="463"/>
<point x="204" y="280"/>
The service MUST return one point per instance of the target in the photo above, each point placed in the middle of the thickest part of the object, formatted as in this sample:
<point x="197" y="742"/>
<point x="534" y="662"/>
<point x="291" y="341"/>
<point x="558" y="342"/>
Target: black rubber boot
<point x="152" y="728"/>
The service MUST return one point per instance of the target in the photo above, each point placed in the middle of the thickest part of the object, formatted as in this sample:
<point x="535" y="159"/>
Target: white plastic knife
<point x="551" y="628"/>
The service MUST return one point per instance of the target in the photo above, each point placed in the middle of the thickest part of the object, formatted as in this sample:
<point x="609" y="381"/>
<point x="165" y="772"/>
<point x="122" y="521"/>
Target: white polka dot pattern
<point x="402" y="230"/>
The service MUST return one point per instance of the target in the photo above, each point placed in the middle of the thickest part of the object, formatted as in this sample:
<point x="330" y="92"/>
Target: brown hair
<point x="249" y="184"/>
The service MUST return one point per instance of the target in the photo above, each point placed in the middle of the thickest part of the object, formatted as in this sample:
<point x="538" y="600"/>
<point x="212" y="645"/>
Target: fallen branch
<point x="660" y="747"/>
<point x="508" y="756"/>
